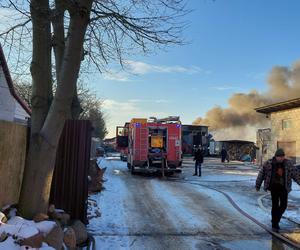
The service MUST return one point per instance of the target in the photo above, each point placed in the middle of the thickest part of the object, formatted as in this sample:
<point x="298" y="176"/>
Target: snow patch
<point x="20" y="228"/>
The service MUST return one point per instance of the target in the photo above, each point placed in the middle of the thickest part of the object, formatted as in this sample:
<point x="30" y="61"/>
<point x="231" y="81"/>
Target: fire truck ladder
<point x="144" y="143"/>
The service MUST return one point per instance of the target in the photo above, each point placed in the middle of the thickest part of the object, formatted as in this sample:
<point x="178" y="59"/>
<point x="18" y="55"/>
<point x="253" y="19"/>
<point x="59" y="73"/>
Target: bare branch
<point x="25" y="13"/>
<point x="19" y="25"/>
<point x="116" y="30"/>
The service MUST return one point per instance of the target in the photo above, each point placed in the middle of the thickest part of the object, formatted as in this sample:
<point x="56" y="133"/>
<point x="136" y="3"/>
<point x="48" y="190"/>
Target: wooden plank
<point x="13" y="141"/>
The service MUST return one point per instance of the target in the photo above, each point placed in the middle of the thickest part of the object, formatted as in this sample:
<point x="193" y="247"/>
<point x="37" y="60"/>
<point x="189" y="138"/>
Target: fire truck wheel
<point x="132" y="169"/>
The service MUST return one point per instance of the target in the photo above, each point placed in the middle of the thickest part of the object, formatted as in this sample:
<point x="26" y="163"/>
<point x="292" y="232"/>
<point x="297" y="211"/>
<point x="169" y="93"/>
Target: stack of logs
<point x="65" y="233"/>
<point x="96" y="177"/>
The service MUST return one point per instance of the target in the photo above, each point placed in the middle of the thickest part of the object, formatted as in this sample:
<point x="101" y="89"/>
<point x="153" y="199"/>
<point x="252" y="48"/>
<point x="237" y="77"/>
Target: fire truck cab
<point x="153" y="145"/>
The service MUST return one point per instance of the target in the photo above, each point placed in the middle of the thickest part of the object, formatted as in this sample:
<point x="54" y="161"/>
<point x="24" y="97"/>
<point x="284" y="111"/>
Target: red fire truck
<point x="122" y="141"/>
<point x="153" y="145"/>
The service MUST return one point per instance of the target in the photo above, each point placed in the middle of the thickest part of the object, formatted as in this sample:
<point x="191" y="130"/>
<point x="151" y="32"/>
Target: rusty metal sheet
<point x="69" y="190"/>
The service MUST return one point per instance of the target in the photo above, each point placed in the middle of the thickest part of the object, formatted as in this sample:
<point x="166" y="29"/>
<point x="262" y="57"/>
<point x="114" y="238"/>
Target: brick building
<point x="285" y="128"/>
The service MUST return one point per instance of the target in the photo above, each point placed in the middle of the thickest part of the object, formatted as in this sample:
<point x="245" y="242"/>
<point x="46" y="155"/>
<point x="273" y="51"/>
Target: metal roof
<point x="237" y="141"/>
<point x="194" y="126"/>
<point x="290" y="104"/>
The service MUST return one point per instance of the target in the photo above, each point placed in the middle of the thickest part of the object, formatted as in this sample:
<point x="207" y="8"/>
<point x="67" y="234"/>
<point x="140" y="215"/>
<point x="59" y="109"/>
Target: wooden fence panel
<point x="13" y="141"/>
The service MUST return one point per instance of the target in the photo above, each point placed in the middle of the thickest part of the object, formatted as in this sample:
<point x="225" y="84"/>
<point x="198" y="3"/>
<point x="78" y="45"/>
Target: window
<point x="286" y="124"/>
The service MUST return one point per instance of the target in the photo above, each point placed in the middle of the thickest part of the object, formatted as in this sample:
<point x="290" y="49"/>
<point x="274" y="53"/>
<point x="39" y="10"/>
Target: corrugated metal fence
<point x="70" y="183"/>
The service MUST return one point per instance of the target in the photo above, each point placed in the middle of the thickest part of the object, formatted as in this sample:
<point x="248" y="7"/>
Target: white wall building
<point x="12" y="107"/>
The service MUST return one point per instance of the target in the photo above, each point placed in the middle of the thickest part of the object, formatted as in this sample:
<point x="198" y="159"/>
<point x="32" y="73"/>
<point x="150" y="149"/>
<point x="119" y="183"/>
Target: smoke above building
<point x="240" y="120"/>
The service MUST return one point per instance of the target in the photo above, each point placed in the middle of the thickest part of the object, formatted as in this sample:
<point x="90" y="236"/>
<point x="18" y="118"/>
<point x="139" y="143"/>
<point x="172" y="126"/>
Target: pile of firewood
<point x="96" y="177"/>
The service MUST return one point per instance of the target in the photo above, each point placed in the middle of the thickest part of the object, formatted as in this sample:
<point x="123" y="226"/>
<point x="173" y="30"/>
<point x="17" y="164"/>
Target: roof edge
<point x="10" y="82"/>
<point x="292" y="103"/>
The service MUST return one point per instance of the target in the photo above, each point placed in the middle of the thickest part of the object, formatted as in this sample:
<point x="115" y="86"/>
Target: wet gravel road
<point x="148" y="212"/>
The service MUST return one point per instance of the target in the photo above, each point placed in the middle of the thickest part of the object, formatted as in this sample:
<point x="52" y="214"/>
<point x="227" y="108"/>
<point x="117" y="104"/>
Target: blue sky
<point x="232" y="46"/>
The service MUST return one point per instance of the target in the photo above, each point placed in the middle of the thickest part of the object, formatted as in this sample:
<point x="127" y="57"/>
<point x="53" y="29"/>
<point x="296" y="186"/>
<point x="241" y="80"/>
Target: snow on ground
<point x="224" y="177"/>
<point x="242" y="197"/>
<point x="293" y="210"/>
<point x="250" y="207"/>
<point x="10" y="244"/>
<point x="241" y="200"/>
<point x="112" y="230"/>
<point x="215" y="172"/>
<point x="177" y="204"/>
<point x="248" y="177"/>
<point x="102" y="162"/>
<point x="295" y="193"/>
<point x="249" y="174"/>
<point x="115" y="208"/>
<point x="93" y="210"/>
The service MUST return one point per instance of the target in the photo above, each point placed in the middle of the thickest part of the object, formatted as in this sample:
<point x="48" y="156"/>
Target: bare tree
<point x="63" y="34"/>
<point x="24" y="90"/>
<point x="92" y="110"/>
<point x="91" y="105"/>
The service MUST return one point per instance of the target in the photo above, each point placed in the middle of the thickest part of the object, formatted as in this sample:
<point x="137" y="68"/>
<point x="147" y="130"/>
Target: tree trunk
<point x="59" y="47"/>
<point x="37" y="177"/>
<point x="41" y="64"/>
<point x="76" y="108"/>
<point x="42" y="151"/>
<point x="58" y="36"/>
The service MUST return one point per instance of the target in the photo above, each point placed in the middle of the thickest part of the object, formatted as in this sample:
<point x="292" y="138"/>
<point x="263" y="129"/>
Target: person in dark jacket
<point x="223" y="154"/>
<point x="198" y="158"/>
<point x="277" y="174"/>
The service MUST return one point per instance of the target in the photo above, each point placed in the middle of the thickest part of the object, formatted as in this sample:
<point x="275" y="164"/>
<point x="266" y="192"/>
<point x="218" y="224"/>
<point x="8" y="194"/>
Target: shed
<point x="236" y="149"/>
<point x="285" y="126"/>
<point x="194" y="135"/>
